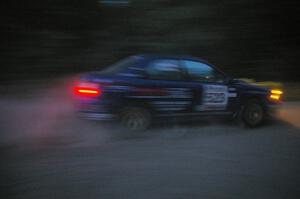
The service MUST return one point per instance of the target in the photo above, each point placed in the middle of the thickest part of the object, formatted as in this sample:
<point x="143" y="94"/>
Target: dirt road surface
<point x="47" y="152"/>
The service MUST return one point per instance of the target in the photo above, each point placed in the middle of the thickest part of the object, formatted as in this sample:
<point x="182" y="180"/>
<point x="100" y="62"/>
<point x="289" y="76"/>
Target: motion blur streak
<point x="291" y="113"/>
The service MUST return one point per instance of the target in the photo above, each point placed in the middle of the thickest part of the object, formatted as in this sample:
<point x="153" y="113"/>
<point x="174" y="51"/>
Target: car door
<point x="209" y="87"/>
<point x="175" y="95"/>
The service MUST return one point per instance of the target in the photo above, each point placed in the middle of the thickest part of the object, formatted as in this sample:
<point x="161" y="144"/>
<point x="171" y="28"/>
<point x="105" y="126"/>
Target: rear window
<point x="122" y="64"/>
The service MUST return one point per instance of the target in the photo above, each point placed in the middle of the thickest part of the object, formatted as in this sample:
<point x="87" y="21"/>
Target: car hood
<point x="251" y="87"/>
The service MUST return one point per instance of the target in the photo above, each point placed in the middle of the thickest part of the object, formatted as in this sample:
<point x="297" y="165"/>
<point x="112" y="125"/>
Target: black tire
<point x="254" y="113"/>
<point x="135" y="118"/>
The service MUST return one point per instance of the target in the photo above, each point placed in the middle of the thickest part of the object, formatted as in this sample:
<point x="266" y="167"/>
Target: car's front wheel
<point x="253" y="114"/>
<point x="135" y="118"/>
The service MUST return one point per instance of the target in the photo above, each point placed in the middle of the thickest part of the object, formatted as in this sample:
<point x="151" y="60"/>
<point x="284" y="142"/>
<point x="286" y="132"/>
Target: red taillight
<point x="87" y="92"/>
<point x="87" y="89"/>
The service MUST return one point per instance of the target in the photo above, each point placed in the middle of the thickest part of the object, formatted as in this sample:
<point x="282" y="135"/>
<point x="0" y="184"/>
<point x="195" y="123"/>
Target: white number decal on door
<point x="214" y="97"/>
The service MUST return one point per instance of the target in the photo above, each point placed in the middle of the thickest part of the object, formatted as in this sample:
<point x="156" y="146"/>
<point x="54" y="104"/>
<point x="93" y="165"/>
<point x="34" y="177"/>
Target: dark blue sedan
<point x="143" y="89"/>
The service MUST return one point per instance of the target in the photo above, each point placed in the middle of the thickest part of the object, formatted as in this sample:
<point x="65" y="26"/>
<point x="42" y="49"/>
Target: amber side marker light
<point x="276" y="94"/>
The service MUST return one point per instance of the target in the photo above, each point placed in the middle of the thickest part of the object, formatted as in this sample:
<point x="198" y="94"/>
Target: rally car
<point x="142" y="89"/>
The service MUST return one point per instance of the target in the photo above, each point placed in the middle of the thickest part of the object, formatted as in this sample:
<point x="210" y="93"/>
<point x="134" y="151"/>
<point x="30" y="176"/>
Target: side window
<point x="165" y="69"/>
<point x="199" y="71"/>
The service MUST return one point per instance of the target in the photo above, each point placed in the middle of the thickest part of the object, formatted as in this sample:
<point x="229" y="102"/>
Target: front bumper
<point x="272" y="109"/>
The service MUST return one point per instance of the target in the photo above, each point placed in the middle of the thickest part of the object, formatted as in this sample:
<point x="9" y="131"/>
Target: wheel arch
<point x="135" y="103"/>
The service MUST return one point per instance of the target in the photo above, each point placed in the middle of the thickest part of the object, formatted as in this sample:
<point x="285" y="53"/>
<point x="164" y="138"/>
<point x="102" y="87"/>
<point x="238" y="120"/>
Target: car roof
<point x="150" y="57"/>
<point x="167" y="56"/>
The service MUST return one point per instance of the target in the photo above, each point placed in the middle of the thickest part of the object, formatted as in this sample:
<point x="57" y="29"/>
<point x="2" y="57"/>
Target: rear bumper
<point x="95" y="111"/>
<point x="97" y="116"/>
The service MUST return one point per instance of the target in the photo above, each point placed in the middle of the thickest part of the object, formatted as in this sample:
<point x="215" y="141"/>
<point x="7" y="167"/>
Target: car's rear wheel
<point x="135" y="118"/>
<point x="253" y="113"/>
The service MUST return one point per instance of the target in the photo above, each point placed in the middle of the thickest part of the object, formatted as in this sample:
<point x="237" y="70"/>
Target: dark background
<point x="245" y="38"/>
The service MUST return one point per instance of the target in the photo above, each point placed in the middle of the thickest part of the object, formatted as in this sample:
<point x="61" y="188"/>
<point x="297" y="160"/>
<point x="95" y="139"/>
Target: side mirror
<point x="236" y="81"/>
<point x="227" y="80"/>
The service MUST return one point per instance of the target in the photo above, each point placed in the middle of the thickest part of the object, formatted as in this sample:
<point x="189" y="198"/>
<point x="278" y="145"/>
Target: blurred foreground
<point x="48" y="153"/>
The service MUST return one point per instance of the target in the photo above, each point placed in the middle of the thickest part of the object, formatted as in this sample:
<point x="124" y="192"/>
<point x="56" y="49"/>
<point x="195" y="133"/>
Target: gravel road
<point x="48" y="153"/>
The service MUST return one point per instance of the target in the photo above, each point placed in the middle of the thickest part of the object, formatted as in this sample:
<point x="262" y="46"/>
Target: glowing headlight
<point x="276" y="94"/>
